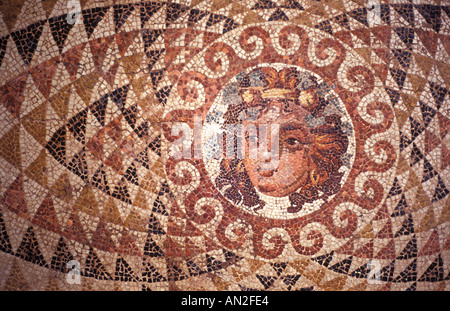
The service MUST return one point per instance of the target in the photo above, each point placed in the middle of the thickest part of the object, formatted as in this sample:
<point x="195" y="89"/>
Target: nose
<point x="266" y="156"/>
<point x="266" y="164"/>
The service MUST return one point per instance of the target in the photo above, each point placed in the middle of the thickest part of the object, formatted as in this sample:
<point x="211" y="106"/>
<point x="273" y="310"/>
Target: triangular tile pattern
<point x="26" y="40"/>
<point x="122" y="12"/>
<point x="5" y="245"/>
<point x="94" y="267"/>
<point x="124" y="273"/>
<point x="61" y="257"/>
<point x="400" y="44"/>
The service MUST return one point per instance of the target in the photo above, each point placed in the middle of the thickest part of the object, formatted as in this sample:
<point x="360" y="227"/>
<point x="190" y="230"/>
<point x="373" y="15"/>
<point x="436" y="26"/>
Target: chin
<point x="270" y="189"/>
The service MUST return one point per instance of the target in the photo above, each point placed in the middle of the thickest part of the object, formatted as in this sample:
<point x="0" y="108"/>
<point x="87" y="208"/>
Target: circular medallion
<point x="287" y="155"/>
<point x="309" y="157"/>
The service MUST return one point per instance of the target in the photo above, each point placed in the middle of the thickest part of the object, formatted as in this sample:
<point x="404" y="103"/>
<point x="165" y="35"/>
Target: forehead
<point x="271" y="105"/>
<point x="273" y="114"/>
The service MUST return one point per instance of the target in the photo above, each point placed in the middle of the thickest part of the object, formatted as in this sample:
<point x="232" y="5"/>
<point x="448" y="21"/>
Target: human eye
<point x="292" y="142"/>
<point x="295" y="143"/>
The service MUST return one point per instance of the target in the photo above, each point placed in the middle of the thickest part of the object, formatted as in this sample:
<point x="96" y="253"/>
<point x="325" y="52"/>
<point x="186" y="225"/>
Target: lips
<point x="266" y="173"/>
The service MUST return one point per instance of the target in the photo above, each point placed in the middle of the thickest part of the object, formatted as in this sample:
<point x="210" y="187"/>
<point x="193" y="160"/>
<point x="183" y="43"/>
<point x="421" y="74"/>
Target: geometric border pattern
<point x="82" y="172"/>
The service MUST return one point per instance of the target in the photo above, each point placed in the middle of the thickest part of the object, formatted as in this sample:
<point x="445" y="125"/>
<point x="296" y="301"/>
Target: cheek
<point x="294" y="160"/>
<point x="250" y="165"/>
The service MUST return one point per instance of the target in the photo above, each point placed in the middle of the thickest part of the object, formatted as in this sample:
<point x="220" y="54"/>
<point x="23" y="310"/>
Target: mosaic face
<point x="277" y="142"/>
<point x="290" y="172"/>
<point x="224" y="145"/>
<point x="300" y="159"/>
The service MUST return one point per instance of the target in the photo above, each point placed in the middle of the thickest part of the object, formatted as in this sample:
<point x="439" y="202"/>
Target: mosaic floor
<point x="120" y="170"/>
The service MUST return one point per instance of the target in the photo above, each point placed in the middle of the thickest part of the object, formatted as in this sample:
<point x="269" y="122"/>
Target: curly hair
<point x="325" y="152"/>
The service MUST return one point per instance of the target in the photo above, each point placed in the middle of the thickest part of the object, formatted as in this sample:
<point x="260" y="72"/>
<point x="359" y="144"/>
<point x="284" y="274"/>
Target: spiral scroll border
<point x="374" y="164"/>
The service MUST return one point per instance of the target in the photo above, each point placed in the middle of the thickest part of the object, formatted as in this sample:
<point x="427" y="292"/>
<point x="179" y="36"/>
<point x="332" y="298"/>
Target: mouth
<point x="267" y="173"/>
